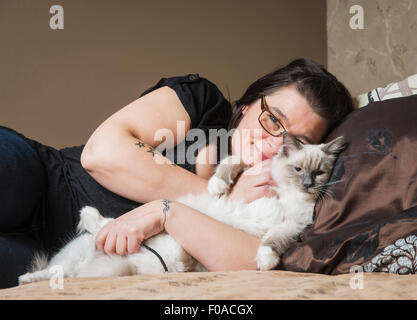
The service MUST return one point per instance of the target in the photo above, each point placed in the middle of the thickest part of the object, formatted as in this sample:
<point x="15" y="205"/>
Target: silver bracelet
<point x="166" y="204"/>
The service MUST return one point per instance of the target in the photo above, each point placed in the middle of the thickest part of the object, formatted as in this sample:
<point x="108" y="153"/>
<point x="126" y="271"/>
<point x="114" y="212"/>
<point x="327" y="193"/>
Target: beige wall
<point x="384" y="51"/>
<point x="57" y="86"/>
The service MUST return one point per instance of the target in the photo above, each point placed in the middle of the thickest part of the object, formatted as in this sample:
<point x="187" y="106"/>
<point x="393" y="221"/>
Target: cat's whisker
<point x="333" y="182"/>
<point x="325" y="192"/>
<point x="328" y="192"/>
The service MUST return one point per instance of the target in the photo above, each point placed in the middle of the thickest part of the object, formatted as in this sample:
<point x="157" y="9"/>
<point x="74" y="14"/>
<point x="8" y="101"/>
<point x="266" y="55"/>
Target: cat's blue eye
<point x="319" y="172"/>
<point x="298" y="169"/>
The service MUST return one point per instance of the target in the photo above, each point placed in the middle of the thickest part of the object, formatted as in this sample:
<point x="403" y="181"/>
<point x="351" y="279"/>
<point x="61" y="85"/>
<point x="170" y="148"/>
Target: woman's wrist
<point x="166" y="211"/>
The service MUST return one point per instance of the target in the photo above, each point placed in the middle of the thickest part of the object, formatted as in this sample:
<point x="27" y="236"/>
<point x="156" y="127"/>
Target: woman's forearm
<point x="218" y="246"/>
<point x="133" y="170"/>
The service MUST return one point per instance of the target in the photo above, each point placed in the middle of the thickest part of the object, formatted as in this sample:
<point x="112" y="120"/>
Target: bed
<point x="239" y="285"/>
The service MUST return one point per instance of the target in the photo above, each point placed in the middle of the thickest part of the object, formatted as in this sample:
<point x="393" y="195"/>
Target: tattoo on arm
<point x="165" y="210"/>
<point x="140" y="144"/>
<point x="151" y="150"/>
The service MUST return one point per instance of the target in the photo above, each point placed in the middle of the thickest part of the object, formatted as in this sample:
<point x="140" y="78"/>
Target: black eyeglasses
<point x="271" y="123"/>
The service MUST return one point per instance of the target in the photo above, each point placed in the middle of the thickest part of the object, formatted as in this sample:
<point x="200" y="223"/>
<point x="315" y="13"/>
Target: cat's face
<point x="305" y="167"/>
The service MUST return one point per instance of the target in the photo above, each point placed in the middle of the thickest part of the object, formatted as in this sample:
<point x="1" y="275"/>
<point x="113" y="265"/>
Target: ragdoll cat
<point x="301" y="173"/>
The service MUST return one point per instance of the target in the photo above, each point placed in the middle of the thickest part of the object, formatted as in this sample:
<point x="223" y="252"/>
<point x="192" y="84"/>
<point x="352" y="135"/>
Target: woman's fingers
<point x="262" y="177"/>
<point x="124" y="234"/>
<point x="260" y="192"/>
<point x="121" y="244"/>
<point x="110" y="245"/>
<point x="133" y="244"/>
<point x="112" y="240"/>
<point x="102" y="236"/>
<point x="266" y="191"/>
<point x="259" y="168"/>
<point x="253" y="183"/>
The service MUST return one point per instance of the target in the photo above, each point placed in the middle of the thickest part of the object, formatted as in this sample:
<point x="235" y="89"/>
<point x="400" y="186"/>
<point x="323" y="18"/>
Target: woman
<point x="116" y="171"/>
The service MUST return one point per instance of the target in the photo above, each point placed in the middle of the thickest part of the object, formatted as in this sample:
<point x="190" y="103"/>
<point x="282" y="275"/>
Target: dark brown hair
<point x="326" y="95"/>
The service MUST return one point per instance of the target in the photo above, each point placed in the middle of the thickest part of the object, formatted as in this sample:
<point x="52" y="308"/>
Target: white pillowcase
<point x="404" y="88"/>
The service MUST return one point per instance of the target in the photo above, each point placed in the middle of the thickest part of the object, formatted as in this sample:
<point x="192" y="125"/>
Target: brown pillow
<point x="370" y="218"/>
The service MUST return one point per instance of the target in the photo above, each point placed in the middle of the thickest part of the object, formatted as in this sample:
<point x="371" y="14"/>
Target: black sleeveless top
<point x="70" y="187"/>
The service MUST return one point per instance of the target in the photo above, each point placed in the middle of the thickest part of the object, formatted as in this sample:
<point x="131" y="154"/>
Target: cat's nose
<point x="307" y="182"/>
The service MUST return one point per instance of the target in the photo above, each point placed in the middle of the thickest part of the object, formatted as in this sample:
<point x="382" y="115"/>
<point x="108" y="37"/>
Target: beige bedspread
<point x="225" y="285"/>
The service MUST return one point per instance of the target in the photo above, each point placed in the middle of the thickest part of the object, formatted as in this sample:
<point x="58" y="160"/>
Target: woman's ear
<point x="244" y="109"/>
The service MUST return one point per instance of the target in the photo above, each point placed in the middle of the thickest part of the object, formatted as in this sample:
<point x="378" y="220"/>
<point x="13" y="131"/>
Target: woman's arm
<point x="119" y="153"/>
<point x="218" y="246"/>
<point x="117" y="156"/>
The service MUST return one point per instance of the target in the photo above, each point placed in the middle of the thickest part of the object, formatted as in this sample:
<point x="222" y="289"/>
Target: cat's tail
<point x="39" y="262"/>
<point x="90" y="220"/>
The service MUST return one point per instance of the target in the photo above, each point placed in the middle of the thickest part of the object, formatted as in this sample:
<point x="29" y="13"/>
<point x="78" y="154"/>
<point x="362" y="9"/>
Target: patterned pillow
<point x="368" y="218"/>
<point x="404" y="88"/>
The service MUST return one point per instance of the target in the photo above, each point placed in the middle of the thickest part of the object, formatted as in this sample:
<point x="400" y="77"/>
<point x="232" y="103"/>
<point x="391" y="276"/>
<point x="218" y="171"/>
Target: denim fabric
<point x="22" y="186"/>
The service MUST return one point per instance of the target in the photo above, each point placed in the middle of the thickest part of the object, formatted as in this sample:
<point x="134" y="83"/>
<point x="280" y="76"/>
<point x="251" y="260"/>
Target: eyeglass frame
<point x="264" y="107"/>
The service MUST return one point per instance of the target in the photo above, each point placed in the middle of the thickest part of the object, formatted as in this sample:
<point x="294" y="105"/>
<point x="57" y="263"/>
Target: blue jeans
<point x="22" y="187"/>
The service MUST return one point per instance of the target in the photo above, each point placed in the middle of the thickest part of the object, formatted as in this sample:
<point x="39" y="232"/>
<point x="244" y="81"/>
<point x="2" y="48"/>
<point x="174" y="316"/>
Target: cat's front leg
<point x="224" y="177"/>
<point x="274" y="243"/>
<point x="266" y="258"/>
<point x="36" y="276"/>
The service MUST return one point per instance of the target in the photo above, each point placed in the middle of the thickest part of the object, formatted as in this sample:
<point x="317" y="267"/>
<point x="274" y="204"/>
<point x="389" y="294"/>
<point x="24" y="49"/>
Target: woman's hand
<point x="254" y="183"/>
<point x="125" y="234"/>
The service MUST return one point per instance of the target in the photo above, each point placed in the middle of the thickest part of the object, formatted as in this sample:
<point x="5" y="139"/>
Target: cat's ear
<point x="335" y="146"/>
<point x="289" y="144"/>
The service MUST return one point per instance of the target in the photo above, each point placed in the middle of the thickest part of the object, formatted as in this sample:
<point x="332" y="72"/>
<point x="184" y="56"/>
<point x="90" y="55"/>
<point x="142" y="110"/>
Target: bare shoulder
<point x="159" y="109"/>
<point x="143" y="117"/>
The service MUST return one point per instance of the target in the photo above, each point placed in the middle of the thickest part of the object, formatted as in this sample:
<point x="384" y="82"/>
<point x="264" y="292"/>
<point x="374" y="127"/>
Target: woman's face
<point x="254" y="144"/>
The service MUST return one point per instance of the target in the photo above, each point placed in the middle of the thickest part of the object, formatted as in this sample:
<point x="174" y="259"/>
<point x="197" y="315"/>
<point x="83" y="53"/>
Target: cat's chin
<point x="306" y="191"/>
<point x="310" y="194"/>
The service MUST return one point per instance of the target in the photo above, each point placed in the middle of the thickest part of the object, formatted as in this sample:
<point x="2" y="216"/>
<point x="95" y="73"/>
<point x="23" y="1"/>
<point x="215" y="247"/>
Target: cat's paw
<point x="226" y="173"/>
<point x="90" y="220"/>
<point x="217" y="186"/>
<point x="266" y="258"/>
<point x="27" y="278"/>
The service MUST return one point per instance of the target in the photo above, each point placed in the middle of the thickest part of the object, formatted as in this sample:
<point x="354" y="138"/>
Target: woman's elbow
<point x="98" y="154"/>
<point x="93" y="162"/>
<point x="86" y="160"/>
<point x="90" y="160"/>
